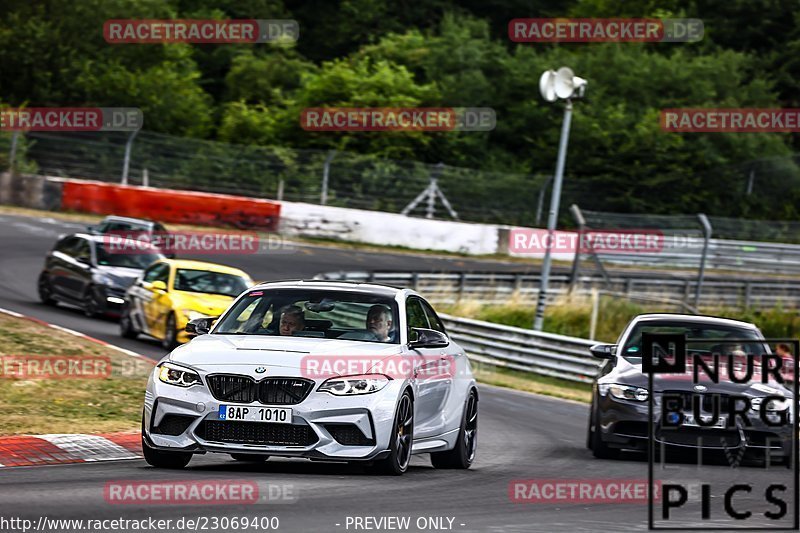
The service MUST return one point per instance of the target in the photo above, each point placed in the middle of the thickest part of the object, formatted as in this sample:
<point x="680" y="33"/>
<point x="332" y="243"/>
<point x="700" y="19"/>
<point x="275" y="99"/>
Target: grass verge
<point x="69" y="403"/>
<point x="513" y="379"/>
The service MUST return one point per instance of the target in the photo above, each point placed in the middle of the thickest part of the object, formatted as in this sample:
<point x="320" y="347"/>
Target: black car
<point x="137" y="227"/>
<point x="618" y="417"/>
<point x="85" y="270"/>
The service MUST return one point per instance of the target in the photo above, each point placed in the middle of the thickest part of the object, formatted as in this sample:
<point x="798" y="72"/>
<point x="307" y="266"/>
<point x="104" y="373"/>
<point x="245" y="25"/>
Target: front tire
<point x="45" y="290"/>
<point x="91" y="308"/>
<point x="402" y="437"/>
<point x="126" y="327"/>
<point x="462" y="455"/>
<point x="599" y="448"/>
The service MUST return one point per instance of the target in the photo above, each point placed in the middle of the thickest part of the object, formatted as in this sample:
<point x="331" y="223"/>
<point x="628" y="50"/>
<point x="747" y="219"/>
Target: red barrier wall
<point x="169" y="205"/>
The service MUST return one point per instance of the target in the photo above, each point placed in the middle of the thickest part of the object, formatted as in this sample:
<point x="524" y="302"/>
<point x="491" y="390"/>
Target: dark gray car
<point x="618" y="417"/>
<point x="85" y="270"/>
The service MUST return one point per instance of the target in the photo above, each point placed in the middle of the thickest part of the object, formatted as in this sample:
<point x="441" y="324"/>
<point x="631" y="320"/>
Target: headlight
<point x="624" y="392"/>
<point x="105" y="279"/>
<point x="350" y="385"/>
<point x="773" y="406"/>
<point x="177" y="375"/>
<point x="191" y="314"/>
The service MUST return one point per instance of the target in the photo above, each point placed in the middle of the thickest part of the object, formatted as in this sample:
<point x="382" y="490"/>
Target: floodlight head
<point x="547" y="85"/>
<point x="580" y="86"/>
<point x="563" y="83"/>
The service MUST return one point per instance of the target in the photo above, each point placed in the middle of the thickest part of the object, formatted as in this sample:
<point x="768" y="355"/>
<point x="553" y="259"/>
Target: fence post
<point x="12" y="156"/>
<point x="576" y="260"/>
<point x="323" y="197"/>
<point x="127" y="161"/>
<point x="280" y="190"/>
<point x="595" y="312"/>
<point x="462" y="282"/>
<point x="706" y="238"/>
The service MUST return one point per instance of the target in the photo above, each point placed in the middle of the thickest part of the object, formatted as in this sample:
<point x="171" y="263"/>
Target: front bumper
<point x="109" y="299"/>
<point x="193" y="413"/>
<point x="624" y="425"/>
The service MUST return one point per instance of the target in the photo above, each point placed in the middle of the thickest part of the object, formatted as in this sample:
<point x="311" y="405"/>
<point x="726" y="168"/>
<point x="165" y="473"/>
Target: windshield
<point x="206" y="282"/>
<point x="313" y="313"/>
<point x="140" y="259"/>
<point x="708" y="339"/>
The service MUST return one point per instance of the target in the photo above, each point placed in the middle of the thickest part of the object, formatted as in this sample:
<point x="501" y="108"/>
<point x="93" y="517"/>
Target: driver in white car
<point x="379" y="322"/>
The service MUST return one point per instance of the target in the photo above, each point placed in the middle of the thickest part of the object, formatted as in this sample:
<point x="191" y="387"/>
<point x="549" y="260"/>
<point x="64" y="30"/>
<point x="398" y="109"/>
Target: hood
<point x="208" y="304"/>
<point x="633" y="375"/>
<point x="287" y="356"/>
<point x="119" y="276"/>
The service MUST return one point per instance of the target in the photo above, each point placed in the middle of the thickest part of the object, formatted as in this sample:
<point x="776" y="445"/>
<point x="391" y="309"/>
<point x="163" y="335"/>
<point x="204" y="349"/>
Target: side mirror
<point x="159" y="286"/>
<point x="604" y="351"/>
<point x="428" y="338"/>
<point x="199" y="326"/>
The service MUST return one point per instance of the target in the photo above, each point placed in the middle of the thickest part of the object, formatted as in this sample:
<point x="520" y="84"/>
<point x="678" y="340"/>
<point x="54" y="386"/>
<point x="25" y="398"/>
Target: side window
<point x="434" y="320"/>
<point x="81" y="249"/>
<point x="157" y="272"/>
<point x="67" y="245"/>
<point x="415" y="314"/>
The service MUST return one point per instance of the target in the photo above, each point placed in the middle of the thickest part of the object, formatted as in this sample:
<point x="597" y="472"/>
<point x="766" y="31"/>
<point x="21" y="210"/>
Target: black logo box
<point x="680" y="343"/>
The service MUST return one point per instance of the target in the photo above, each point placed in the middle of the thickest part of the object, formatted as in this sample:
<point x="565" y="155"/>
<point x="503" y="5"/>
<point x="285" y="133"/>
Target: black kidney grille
<point x="232" y="388"/>
<point x="257" y="433"/>
<point x="283" y="391"/>
<point x="270" y="391"/>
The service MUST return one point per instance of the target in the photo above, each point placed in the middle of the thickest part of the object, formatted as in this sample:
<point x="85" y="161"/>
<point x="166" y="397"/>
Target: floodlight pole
<point x="552" y="218"/>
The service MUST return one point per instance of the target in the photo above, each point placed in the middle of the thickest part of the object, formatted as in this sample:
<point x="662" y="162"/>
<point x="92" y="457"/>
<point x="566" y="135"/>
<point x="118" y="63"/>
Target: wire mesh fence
<point x="354" y="180"/>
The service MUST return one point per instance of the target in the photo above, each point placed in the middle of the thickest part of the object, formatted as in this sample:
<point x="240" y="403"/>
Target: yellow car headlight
<point x="191" y="314"/>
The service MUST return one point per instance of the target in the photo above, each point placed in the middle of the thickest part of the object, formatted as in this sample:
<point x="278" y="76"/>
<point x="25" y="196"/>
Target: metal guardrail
<point x="497" y="288"/>
<point x="749" y="256"/>
<point x="524" y="350"/>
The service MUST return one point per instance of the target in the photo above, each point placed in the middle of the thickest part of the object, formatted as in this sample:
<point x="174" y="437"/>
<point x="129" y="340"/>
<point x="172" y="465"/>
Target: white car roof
<point x="349" y="286"/>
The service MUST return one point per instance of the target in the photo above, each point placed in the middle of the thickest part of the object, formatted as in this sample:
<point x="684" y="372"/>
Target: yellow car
<point x="171" y="292"/>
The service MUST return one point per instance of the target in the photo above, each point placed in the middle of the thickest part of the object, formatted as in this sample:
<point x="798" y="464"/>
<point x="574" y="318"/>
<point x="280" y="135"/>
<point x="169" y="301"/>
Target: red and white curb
<point x="75" y="333"/>
<point x="32" y="450"/>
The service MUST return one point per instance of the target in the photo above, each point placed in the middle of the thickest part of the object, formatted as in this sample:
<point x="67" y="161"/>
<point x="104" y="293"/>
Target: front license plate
<point x="688" y="420"/>
<point x="253" y="413"/>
